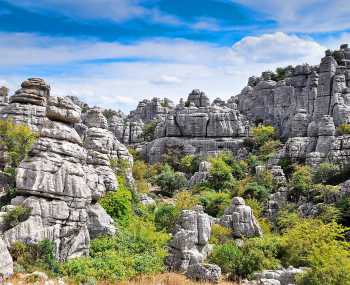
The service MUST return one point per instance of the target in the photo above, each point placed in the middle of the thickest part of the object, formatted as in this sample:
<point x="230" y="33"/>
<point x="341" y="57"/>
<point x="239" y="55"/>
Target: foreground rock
<point x="204" y="272"/>
<point x="6" y="263"/>
<point x="239" y="217"/>
<point x="284" y="276"/>
<point x="64" y="173"/>
<point x="189" y="245"/>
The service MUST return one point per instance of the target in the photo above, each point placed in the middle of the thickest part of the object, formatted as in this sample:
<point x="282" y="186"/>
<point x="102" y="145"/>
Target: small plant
<point x="149" y="130"/>
<point x="185" y="200"/>
<point x="220" y="234"/>
<point x="343" y="129"/>
<point x="170" y="181"/>
<point x="263" y="133"/>
<point x="16" y="215"/>
<point x="326" y="172"/>
<point x="165" y="217"/>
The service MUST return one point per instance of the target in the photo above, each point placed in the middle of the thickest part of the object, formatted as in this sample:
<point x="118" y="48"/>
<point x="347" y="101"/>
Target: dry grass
<point x="161" y="279"/>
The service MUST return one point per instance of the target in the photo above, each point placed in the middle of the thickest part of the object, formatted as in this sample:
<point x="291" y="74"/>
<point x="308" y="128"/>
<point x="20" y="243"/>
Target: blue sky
<point x="114" y="53"/>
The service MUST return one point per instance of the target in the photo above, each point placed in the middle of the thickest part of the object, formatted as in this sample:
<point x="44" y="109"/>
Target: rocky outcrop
<point x="6" y="263"/>
<point x="204" y="272"/>
<point x="284" y="276"/>
<point x="202" y="174"/>
<point x="28" y="105"/>
<point x="189" y="244"/>
<point x="239" y="217"/>
<point x="64" y="174"/>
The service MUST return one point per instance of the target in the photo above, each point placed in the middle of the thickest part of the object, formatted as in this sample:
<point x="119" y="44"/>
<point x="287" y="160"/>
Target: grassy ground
<point x="161" y="279"/>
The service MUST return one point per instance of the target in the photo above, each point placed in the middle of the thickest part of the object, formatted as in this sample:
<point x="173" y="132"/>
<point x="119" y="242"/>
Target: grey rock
<point x="204" y="272"/>
<point x="6" y="262"/>
<point x="239" y="217"/>
<point x="146" y="200"/>
<point x="99" y="222"/>
<point x="189" y="243"/>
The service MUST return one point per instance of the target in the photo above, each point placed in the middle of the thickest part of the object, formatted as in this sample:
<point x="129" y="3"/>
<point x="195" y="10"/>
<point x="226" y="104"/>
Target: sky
<point x="114" y="53"/>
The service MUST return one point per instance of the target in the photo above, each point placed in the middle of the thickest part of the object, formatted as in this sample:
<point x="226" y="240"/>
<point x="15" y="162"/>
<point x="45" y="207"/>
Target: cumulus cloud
<point x="160" y="67"/>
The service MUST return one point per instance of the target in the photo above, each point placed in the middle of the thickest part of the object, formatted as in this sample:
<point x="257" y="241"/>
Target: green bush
<point x="344" y="208"/>
<point x="305" y="236"/>
<point x="15" y="216"/>
<point x="286" y="219"/>
<point x="118" y="204"/>
<point x="220" y="178"/>
<point x="301" y="181"/>
<point x="137" y="249"/>
<point x="40" y="256"/>
<point x="253" y="190"/>
<point x="170" y="181"/>
<point x="165" y="217"/>
<point x="241" y="262"/>
<point x="215" y="203"/>
<point x="268" y="149"/>
<point x="17" y="140"/>
<point x="220" y="234"/>
<point x="149" y="129"/>
<point x="326" y="172"/>
<point x="263" y="133"/>
<point x="185" y="200"/>
<point x="343" y="129"/>
<point x="190" y="163"/>
<point x="329" y="264"/>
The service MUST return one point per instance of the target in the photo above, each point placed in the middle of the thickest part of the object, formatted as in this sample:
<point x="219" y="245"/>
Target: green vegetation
<point x="16" y="215"/>
<point x="16" y="140"/>
<point x="170" y="181"/>
<point x="343" y="129"/>
<point x="149" y="129"/>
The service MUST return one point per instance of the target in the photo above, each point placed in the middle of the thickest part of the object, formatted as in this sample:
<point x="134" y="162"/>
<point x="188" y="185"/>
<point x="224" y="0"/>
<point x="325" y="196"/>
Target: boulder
<point x="239" y="217"/>
<point x="6" y="263"/>
<point x="204" y="272"/>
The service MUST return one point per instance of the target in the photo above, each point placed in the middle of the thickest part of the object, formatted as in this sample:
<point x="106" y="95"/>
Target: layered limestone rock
<point x="239" y="217"/>
<point x="4" y="100"/>
<point x="189" y="244"/>
<point x="28" y="105"/>
<point x="64" y="174"/>
<point x="202" y="174"/>
<point x="6" y="263"/>
<point x="204" y="272"/>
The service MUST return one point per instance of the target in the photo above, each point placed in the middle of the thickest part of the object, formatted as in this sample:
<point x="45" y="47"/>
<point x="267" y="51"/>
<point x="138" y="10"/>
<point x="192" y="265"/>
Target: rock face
<point x="65" y="173"/>
<point x="202" y="174"/>
<point x="239" y="217"/>
<point x="204" y="272"/>
<point x="284" y="276"/>
<point x="189" y="245"/>
<point x="6" y="263"/>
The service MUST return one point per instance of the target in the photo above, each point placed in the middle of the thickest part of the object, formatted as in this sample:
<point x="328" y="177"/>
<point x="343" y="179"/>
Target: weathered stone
<point x="99" y="222"/>
<point x="239" y="217"/>
<point x="189" y="244"/>
<point x="6" y="263"/>
<point x="204" y="272"/>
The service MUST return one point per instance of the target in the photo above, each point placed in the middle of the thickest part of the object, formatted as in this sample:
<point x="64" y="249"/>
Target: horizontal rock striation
<point x="65" y="172"/>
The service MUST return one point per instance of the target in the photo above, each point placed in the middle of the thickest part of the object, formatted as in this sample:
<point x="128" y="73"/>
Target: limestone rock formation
<point x="284" y="276"/>
<point x="65" y="172"/>
<point x="239" y="217"/>
<point x="202" y="174"/>
<point x="204" y="272"/>
<point x="6" y="263"/>
<point x="189" y="244"/>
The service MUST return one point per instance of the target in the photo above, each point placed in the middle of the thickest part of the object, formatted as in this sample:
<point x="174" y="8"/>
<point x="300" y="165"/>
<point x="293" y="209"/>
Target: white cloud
<point x="169" y="68"/>
<point x="304" y="16"/>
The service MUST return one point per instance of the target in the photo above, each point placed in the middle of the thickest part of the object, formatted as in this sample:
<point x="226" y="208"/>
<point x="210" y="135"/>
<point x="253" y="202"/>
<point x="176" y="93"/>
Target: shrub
<point x="329" y="264"/>
<point x="190" y="163"/>
<point x="326" y="172"/>
<point x="118" y="204"/>
<point x="165" y="217"/>
<point x="149" y="129"/>
<point x="220" y="234"/>
<point x="305" y="236"/>
<point x="263" y="133"/>
<point x="328" y="213"/>
<point x="215" y="203"/>
<point x="220" y="177"/>
<point x="33" y="256"/>
<point x="344" y="207"/>
<point x="268" y="148"/>
<point x="301" y="181"/>
<point x="185" y="200"/>
<point x="255" y="255"/>
<point x="15" y="216"/>
<point x="321" y="193"/>
<point x="170" y="181"/>
<point x="286" y="219"/>
<point x="137" y="249"/>
<point x="343" y="129"/>
<point x="139" y="169"/>
<point x="239" y="169"/>
<point x="17" y="140"/>
<point x="253" y="190"/>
